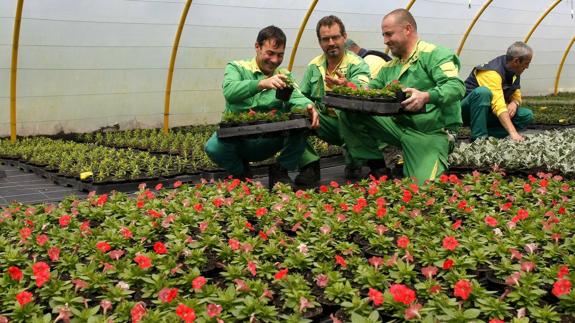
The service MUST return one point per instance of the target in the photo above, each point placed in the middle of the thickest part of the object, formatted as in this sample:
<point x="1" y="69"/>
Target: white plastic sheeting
<point x="87" y="64"/>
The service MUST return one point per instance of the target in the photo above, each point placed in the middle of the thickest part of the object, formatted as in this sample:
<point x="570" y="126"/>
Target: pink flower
<point x="513" y="279"/>
<point x="198" y="282"/>
<point x="234" y="244"/>
<point x="321" y="280"/>
<point x="429" y="271"/>
<point x="412" y="312"/>
<point x="252" y="268"/>
<point x="527" y="266"/>
<point x="375" y="261"/>
<point x="41" y="239"/>
<point x="177" y="184"/>
<point x="214" y="310"/>
<point x="375" y="296"/>
<point x="159" y="186"/>
<point x="54" y="253"/>
<point x="116" y="254"/>
<point x="304" y="304"/>
<point x="126" y="233"/>
<point x="450" y="243"/>
<point x="167" y="295"/>
<point x="462" y="289"/>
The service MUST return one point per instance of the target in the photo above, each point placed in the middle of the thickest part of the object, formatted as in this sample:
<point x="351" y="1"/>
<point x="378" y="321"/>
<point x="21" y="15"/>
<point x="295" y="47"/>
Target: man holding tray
<point x="252" y="84"/>
<point x="335" y="67"/>
<point x="432" y="108"/>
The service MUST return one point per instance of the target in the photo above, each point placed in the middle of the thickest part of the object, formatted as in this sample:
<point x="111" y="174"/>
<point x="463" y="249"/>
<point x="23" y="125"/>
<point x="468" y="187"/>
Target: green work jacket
<point x="433" y="69"/>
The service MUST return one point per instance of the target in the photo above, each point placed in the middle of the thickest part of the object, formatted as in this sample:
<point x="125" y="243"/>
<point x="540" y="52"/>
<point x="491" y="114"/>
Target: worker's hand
<point x="314" y="116"/>
<point x="516" y="136"/>
<point x="277" y="81"/>
<point x="512" y="108"/>
<point x="416" y="101"/>
<point x="340" y="80"/>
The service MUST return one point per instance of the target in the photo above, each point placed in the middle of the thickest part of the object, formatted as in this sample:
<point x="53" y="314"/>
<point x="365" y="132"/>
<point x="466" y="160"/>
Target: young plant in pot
<point x="285" y="93"/>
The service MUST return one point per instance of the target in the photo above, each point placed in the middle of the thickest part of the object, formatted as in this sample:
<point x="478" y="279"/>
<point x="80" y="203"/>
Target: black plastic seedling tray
<point x="263" y="129"/>
<point x="373" y="106"/>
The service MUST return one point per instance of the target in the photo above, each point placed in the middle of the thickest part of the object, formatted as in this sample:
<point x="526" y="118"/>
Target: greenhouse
<point x="287" y="161"/>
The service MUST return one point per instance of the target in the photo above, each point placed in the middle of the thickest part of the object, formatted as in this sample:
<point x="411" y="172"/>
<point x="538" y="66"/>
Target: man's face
<point x="395" y="36"/>
<point x="518" y="66"/>
<point x="269" y="56"/>
<point x="332" y="41"/>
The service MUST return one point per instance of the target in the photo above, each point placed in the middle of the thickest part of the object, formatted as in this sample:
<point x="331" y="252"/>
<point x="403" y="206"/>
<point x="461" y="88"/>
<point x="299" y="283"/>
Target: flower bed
<point x="234" y="251"/>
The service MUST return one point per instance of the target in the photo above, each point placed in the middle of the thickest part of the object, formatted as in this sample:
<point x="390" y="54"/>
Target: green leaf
<point x="471" y="313"/>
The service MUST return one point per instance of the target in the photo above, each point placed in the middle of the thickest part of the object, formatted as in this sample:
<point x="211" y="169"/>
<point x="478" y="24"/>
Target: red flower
<point x="281" y="274"/>
<point x="406" y="196"/>
<point x="435" y="289"/>
<point x="167" y="295"/>
<point x="429" y="271"/>
<point x="187" y="314"/>
<point x="138" y="312"/>
<point x="140" y="204"/>
<point x="160" y="248"/>
<point x="64" y="220"/>
<point x="351" y="85"/>
<point x="126" y="233"/>
<point x="412" y="312"/>
<point x="41" y="239"/>
<point x="214" y="310"/>
<point x="447" y="264"/>
<point x="340" y="261"/>
<point x="159" y="186"/>
<point x="261" y="212"/>
<point x="375" y="296"/>
<point x="25" y="233"/>
<point x="496" y="321"/>
<point x="403" y="242"/>
<point x="15" y="273"/>
<point x="198" y="282"/>
<point x="263" y="235"/>
<point x="24" y="298"/>
<point x="561" y="287"/>
<point x="103" y="246"/>
<point x="102" y="199"/>
<point x="490" y="221"/>
<point x="177" y="184"/>
<point x="450" y="243"/>
<point x="462" y="289"/>
<point x="563" y="271"/>
<point x="54" y="253"/>
<point x="402" y="294"/>
<point x="41" y="272"/>
<point x="456" y="224"/>
<point x="143" y="261"/>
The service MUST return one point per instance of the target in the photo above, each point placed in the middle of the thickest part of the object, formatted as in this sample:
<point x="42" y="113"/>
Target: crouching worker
<point x="491" y="106"/>
<point x="252" y="84"/>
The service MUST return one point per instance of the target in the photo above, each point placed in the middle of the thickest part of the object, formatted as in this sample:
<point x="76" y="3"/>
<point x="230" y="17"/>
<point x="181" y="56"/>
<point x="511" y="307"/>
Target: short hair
<point x="329" y="21"/>
<point x="403" y="16"/>
<point x="272" y="33"/>
<point x="519" y="50"/>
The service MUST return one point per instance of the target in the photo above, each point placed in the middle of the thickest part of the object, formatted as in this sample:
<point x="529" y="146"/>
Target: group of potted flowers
<point x="482" y="247"/>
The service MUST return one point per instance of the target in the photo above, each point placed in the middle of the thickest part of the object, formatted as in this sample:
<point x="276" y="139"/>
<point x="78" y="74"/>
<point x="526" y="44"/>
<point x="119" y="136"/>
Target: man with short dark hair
<point x="251" y="85"/>
<point x="430" y="74"/>
<point x="335" y="67"/>
<point x="491" y="106"/>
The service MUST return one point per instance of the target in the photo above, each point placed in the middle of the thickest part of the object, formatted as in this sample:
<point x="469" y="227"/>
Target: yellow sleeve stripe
<point x="449" y="69"/>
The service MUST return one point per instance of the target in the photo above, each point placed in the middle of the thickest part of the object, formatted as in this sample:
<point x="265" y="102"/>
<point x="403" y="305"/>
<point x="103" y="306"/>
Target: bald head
<point x="402" y="17"/>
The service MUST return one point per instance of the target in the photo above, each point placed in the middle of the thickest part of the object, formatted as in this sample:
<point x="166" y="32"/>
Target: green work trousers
<point x="231" y="153"/>
<point x="476" y="113"/>
<point x="328" y="131"/>
<point x="425" y="154"/>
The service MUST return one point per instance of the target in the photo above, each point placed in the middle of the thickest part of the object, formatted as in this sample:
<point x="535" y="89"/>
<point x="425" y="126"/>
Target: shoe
<point x="247" y="173"/>
<point x="377" y="168"/>
<point x="278" y="174"/>
<point x="309" y="175"/>
<point x="352" y="173"/>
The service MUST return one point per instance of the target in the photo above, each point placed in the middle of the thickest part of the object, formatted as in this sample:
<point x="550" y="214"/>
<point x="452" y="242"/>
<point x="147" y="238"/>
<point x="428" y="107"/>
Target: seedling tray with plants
<point x="255" y="124"/>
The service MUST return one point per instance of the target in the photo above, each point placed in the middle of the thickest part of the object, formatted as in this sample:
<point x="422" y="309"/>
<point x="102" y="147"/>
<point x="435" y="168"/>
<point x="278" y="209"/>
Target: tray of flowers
<point x="384" y="101"/>
<point x="254" y="124"/>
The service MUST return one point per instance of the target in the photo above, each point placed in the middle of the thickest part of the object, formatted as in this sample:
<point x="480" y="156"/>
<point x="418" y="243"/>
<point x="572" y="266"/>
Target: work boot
<point x="278" y="174"/>
<point x="352" y="173"/>
<point x="377" y="168"/>
<point x="247" y="173"/>
<point x="309" y="175"/>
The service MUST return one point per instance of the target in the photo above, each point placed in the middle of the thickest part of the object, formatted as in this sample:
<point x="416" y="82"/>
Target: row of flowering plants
<point x="480" y="248"/>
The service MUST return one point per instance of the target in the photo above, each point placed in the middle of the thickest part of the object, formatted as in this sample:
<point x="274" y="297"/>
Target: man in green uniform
<point x="335" y="67"/>
<point x="491" y="105"/>
<point x="251" y="84"/>
<point x="434" y="90"/>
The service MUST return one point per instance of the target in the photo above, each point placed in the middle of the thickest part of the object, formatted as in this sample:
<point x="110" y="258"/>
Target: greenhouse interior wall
<point x="84" y="65"/>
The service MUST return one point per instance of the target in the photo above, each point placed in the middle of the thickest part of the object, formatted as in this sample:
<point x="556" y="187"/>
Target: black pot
<point x="284" y="94"/>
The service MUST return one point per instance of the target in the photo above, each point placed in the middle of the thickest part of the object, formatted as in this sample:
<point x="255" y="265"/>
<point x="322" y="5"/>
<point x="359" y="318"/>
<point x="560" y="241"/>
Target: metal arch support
<point x="561" y="65"/>
<point x="300" y="33"/>
<point x="172" y="63"/>
<point x="471" y="25"/>
<point x="408" y="7"/>
<point x="14" y="69"/>
<point x="540" y="20"/>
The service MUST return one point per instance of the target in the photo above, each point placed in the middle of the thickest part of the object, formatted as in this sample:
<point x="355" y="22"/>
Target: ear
<point x="257" y="46"/>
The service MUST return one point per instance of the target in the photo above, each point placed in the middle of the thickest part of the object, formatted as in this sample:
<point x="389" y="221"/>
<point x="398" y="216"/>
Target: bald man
<point x="430" y="74"/>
